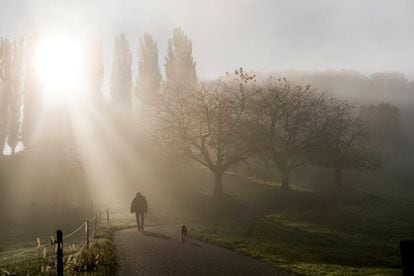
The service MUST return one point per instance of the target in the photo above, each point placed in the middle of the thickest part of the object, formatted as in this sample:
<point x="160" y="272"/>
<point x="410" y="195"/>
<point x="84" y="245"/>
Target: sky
<point x="364" y="35"/>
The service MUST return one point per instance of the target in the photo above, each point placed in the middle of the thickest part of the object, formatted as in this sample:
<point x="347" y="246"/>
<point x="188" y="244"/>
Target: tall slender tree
<point x="180" y="68"/>
<point x="15" y="104"/>
<point x="121" y="83"/>
<point x="2" y="117"/>
<point x="149" y="75"/>
<point x="31" y="92"/>
<point x="5" y="78"/>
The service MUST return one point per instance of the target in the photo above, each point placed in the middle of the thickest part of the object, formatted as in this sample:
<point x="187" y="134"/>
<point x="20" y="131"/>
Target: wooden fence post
<point x="407" y="254"/>
<point x="107" y="217"/>
<point x="87" y="233"/>
<point x="96" y="226"/>
<point x="59" y="252"/>
<point x="38" y="247"/>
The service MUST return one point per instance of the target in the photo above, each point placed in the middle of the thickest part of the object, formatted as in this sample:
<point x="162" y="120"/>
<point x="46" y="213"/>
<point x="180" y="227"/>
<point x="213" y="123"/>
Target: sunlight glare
<point x="59" y="65"/>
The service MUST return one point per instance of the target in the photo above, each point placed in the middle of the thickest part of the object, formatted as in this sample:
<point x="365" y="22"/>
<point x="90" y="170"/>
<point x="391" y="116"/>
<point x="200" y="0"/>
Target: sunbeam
<point x="59" y="65"/>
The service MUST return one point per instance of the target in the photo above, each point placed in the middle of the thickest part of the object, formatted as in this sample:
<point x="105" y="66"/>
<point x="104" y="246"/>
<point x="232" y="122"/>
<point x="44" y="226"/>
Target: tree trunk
<point x="285" y="178"/>
<point x="338" y="174"/>
<point x="218" y="183"/>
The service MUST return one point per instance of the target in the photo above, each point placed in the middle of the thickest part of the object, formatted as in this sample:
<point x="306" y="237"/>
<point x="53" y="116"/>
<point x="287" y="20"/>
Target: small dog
<point x="183" y="233"/>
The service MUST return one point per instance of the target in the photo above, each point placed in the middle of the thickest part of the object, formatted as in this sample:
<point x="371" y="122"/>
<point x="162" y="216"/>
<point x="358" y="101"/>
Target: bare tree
<point x="384" y="124"/>
<point x="348" y="144"/>
<point x="291" y="120"/>
<point x="209" y="124"/>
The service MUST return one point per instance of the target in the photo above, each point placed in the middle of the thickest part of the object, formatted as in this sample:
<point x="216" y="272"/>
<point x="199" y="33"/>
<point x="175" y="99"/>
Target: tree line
<point x="238" y="117"/>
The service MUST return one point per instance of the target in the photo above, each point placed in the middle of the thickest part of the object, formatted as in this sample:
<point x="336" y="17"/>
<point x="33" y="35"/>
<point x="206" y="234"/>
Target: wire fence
<point x="43" y="258"/>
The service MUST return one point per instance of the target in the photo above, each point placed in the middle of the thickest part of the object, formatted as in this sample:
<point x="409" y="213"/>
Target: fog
<point x="247" y="121"/>
<point x="366" y="36"/>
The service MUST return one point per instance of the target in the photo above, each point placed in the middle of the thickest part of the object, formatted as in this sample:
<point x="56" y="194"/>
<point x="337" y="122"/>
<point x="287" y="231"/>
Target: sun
<point x="59" y="66"/>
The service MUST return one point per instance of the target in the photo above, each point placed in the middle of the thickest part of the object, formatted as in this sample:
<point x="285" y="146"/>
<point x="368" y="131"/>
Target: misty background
<point x="366" y="36"/>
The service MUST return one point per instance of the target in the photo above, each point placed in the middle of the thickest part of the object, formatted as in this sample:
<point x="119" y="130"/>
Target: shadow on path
<point x="155" y="235"/>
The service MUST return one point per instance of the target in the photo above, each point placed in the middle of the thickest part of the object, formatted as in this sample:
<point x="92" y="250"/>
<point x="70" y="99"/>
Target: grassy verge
<point x="99" y="259"/>
<point x="307" y="233"/>
<point x="293" y="244"/>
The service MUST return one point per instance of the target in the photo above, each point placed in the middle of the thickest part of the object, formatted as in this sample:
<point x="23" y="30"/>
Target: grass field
<point x="349" y="230"/>
<point x="98" y="259"/>
<point x="340" y="232"/>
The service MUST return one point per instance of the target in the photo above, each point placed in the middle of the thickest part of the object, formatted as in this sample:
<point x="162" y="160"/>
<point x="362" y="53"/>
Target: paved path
<point x="159" y="251"/>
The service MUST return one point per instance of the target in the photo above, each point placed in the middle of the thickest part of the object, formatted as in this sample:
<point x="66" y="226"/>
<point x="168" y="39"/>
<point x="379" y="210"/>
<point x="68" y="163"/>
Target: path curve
<point x="159" y="251"/>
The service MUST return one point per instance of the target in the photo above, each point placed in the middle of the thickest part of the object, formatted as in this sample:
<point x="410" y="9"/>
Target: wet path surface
<point x="159" y="251"/>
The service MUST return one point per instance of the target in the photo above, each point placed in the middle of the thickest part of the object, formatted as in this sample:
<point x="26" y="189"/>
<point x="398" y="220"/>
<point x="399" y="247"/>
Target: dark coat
<point x="139" y="205"/>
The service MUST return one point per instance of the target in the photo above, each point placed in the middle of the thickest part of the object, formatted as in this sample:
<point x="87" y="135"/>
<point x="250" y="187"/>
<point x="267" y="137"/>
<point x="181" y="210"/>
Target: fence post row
<point x="59" y="252"/>
<point x="59" y="242"/>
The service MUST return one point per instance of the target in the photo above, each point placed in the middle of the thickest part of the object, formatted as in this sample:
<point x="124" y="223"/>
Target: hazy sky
<point x="264" y="35"/>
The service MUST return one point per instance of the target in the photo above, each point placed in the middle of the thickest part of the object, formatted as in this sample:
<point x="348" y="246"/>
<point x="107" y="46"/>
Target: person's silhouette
<point x="139" y="206"/>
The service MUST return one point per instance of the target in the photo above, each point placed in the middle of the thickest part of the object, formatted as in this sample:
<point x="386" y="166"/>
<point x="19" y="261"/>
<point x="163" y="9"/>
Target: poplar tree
<point x="149" y="76"/>
<point x="5" y="77"/>
<point x="180" y="68"/>
<point x="31" y="92"/>
<point x="121" y="83"/>
<point x="16" y="74"/>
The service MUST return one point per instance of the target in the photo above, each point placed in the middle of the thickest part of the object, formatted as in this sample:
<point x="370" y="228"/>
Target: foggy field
<point x="342" y="230"/>
<point x="358" y="237"/>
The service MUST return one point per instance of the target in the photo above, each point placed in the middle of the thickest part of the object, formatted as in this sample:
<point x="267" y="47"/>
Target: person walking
<point x="139" y="206"/>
